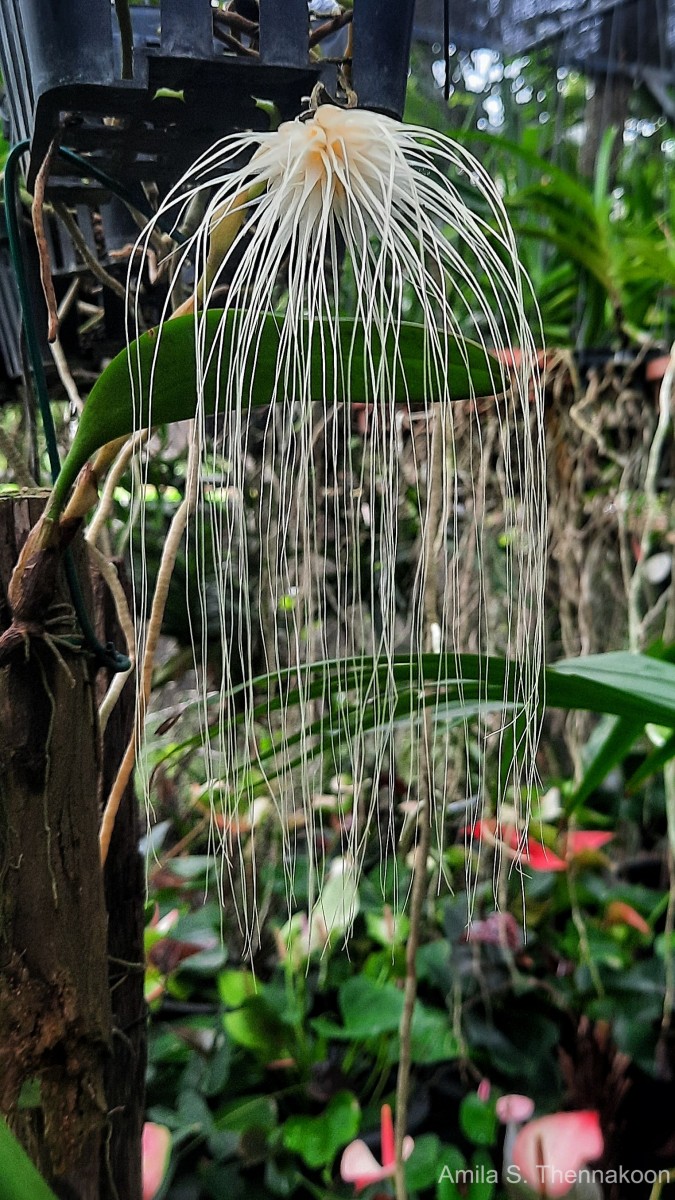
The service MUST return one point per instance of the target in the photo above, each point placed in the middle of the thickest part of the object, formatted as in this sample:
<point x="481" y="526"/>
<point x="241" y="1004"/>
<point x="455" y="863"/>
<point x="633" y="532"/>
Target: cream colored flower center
<point x="336" y="152"/>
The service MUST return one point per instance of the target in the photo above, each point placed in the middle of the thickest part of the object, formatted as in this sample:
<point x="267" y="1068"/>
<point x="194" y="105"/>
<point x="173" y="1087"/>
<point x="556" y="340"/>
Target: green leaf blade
<point x="154" y="381"/>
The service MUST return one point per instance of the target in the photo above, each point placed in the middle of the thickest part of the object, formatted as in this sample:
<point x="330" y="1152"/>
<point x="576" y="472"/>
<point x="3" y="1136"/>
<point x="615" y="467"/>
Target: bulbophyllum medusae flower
<point x="348" y="212"/>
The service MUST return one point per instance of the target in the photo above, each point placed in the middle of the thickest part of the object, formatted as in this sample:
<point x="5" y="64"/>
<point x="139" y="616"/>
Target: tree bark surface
<point x="124" y="894"/>
<point x="55" y="1017"/>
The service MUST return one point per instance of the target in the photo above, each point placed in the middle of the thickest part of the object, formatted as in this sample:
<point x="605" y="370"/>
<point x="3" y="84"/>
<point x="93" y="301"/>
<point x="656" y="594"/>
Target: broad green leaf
<point x="257" y="1027"/>
<point x="426" y="1162"/>
<point x="612" y="750"/>
<point x="368" y="1008"/>
<point x="638" y="689"/>
<point x="254" y="1112"/>
<point x="318" y="1139"/>
<point x="168" y="361"/>
<point x="655" y="761"/>
<point x="193" y="1110"/>
<point x="432" y="1039"/>
<point x="478" y="1120"/>
<point x="19" y="1179"/>
<point x="484" y="1177"/>
<point x="621" y="683"/>
<point x="234" y="987"/>
<point x="451" y="1169"/>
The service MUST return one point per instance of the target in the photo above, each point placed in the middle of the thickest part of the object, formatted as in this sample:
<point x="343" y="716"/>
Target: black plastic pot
<point x="62" y="68"/>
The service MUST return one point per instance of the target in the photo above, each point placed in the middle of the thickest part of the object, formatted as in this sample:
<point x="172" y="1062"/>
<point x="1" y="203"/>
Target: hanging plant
<point x="290" y="214"/>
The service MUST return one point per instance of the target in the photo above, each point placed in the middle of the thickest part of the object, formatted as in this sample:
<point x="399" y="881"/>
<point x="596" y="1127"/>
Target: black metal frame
<point x="61" y="63"/>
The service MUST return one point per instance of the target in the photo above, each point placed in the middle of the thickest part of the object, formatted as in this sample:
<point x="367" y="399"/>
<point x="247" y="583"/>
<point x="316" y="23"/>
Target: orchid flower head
<point x="349" y="212"/>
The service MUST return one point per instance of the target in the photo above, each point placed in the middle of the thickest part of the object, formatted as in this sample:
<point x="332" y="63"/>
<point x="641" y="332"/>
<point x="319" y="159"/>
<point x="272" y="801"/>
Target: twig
<point x="108" y="494"/>
<point x="37" y="213"/>
<point x="635" y="622"/>
<point x="60" y="360"/>
<point x="322" y="31"/>
<point x="234" y="44"/>
<point x="167" y="563"/>
<point x="410" y="992"/>
<point x="90" y="259"/>
<point x="69" y="298"/>
<point x="236" y="21"/>
<point x="61" y="363"/>
<point x="659" y="1184"/>
<point x="109" y="574"/>
<point x="432" y="530"/>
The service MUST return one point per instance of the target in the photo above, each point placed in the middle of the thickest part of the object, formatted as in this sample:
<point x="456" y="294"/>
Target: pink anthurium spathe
<point x="530" y="852"/>
<point x="156" y="1152"/>
<point x="358" y="1164"/>
<point x="585" y="841"/>
<point x="534" y="854"/>
<point x="549" y="1151"/>
<point x="620" y="913"/>
<point x="513" y="1110"/>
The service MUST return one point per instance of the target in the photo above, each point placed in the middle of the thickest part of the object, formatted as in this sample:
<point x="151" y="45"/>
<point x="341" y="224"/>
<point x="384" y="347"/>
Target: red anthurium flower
<point x="531" y="852"/>
<point x="582" y="840"/>
<point x="540" y="858"/>
<point x="619" y="913"/>
<point x="549" y="1151"/>
<point x="535" y="854"/>
<point x="359" y="1166"/>
<point x="156" y="1151"/>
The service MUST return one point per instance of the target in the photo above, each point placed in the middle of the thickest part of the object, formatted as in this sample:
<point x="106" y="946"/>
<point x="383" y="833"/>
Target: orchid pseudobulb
<point x="348" y="212"/>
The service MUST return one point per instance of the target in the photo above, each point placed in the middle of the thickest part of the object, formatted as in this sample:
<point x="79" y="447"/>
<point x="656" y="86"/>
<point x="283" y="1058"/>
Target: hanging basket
<point x="62" y="66"/>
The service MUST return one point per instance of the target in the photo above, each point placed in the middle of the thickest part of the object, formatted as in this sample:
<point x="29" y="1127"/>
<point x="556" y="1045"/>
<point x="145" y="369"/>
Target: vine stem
<point x="410" y="993"/>
<point x="37" y="212"/>
<point x="636" y="621"/>
<point x="164" y="574"/>
<point x="434" y="516"/>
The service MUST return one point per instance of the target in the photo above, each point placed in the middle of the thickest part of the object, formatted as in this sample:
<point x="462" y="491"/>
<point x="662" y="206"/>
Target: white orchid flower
<point x="347" y="202"/>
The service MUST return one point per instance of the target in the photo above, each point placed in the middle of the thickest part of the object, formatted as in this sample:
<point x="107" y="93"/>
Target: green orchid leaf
<point x="122" y="400"/>
<point x="637" y="688"/>
<point x="611" y="750"/>
<point x="655" y="761"/>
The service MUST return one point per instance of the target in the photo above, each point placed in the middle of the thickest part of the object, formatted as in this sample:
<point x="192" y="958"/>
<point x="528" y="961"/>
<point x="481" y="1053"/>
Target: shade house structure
<point x="630" y="37"/>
